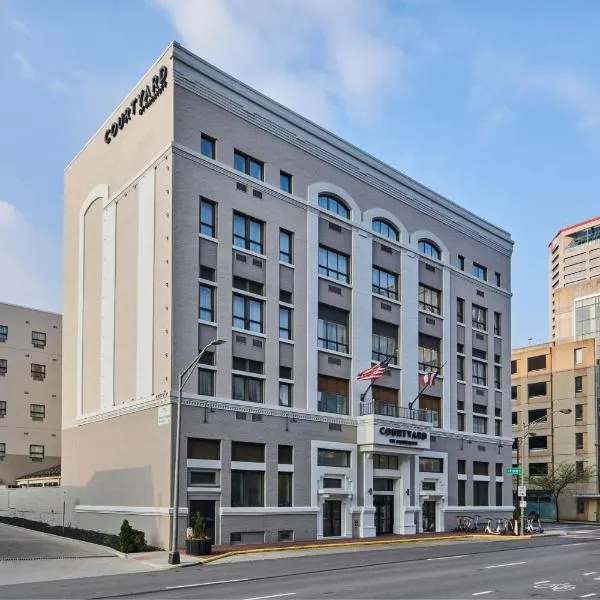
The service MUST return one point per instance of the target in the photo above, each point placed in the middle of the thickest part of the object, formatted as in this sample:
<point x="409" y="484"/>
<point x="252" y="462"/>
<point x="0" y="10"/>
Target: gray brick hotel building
<point x="204" y="210"/>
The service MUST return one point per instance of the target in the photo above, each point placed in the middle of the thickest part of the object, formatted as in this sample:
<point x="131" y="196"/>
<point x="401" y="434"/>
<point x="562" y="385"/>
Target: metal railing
<point x="386" y="409"/>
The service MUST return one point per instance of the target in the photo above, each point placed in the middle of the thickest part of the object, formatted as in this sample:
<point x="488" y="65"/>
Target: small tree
<point x="199" y="529"/>
<point x="559" y="478"/>
<point x="130" y="539"/>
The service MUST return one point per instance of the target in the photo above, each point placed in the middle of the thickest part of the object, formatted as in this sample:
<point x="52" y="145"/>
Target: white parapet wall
<point x="44" y="504"/>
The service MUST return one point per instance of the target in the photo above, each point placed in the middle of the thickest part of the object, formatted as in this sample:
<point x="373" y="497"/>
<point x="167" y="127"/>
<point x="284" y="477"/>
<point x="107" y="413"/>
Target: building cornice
<point x="301" y="133"/>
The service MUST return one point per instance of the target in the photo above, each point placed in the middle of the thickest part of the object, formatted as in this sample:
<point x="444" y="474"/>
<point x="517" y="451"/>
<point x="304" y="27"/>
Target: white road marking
<point x="447" y="557"/>
<point x="272" y="596"/>
<point x="193" y="585"/>
<point x="575" y="544"/>
<point x="482" y="593"/>
<point x="590" y="573"/>
<point x="588" y="595"/>
<point x="538" y="582"/>
<point x="523" y="562"/>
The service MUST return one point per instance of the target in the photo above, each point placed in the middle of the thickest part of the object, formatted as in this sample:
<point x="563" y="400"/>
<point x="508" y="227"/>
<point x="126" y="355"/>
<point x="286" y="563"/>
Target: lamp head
<point x="217" y="342"/>
<point x="566" y="411"/>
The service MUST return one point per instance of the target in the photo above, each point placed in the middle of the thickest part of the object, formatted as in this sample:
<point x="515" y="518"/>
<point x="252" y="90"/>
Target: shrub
<point x="199" y="531"/>
<point x="130" y="539"/>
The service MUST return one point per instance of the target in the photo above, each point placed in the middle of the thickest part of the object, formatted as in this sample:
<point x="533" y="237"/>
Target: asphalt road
<point x="547" y="567"/>
<point x="22" y="544"/>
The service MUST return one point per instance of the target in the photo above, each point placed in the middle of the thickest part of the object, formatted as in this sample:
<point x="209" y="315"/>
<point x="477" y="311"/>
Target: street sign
<point x="514" y="470"/>
<point x="523" y="504"/>
<point x="522" y="491"/>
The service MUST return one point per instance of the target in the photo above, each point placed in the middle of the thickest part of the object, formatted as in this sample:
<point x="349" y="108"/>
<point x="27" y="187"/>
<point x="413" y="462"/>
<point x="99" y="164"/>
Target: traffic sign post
<point x="522" y="491"/>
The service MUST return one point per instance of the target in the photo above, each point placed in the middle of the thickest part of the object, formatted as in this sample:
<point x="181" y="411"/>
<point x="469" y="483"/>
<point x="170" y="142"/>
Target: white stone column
<point x="409" y="328"/>
<point x="367" y="520"/>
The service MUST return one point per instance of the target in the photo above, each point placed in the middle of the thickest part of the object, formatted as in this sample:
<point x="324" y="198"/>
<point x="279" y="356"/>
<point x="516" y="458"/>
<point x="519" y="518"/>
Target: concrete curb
<point x="353" y="545"/>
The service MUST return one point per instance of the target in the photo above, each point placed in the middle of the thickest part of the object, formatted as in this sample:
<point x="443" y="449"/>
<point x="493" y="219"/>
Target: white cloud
<point x="26" y="70"/>
<point x="30" y="262"/>
<point x="19" y="26"/>
<point x="315" y="56"/>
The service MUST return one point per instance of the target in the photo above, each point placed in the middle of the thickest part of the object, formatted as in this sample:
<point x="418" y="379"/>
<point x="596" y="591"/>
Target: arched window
<point x="386" y="229"/>
<point x="429" y="248"/>
<point x="334" y="205"/>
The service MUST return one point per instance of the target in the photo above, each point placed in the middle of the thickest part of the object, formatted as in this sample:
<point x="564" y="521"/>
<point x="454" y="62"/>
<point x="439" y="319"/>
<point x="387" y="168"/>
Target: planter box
<point x="198" y="547"/>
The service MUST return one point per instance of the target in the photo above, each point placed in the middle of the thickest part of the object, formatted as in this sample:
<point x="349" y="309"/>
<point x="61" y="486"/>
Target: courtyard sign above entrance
<point x="144" y="99"/>
<point x="372" y="431"/>
<point x="402" y="437"/>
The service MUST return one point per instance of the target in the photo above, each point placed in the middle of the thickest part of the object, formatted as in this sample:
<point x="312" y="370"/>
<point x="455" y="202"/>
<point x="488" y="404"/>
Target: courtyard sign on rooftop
<point x="140" y="103"/>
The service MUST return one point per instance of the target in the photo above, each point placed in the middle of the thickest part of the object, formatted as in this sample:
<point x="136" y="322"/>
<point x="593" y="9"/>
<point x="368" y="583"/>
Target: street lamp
<point x="184" y="376"/>
<point x="526" y="428"/>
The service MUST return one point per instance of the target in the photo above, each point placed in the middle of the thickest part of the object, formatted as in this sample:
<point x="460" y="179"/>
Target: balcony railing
<point x="386" y="409"/>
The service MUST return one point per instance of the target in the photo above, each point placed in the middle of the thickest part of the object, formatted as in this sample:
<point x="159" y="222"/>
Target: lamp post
<point x="174" y="558"/>
<point x="526" y="431"/>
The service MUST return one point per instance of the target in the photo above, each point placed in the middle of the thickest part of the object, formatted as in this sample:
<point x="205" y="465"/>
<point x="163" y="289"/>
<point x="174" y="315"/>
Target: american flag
<point x="374" y="372"/>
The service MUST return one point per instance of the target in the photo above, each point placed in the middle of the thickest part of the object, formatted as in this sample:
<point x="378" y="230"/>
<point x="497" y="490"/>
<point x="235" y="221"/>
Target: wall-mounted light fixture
<point x="289" y="420"/>
<point x="206" y="411"/>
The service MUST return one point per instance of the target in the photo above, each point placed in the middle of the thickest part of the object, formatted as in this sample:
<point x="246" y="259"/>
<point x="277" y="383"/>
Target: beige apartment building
<point x="574" y="282"/>
<point x="548" y="378"/>
<point x="30" y="391"/>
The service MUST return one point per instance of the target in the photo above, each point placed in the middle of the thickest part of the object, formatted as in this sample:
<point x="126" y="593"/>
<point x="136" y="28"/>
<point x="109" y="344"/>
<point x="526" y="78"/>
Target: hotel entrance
<point x="429" y="511"/>
<point x="384" y="514"/>
<point x="332" y="518"/>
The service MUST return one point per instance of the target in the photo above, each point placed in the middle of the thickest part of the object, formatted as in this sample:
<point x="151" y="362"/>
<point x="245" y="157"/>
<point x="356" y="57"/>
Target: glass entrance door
<point x="429" y="515"/>
<point x="206" y="510"/>
<point x="384" y="514"/>
<point x="332" y="518"/>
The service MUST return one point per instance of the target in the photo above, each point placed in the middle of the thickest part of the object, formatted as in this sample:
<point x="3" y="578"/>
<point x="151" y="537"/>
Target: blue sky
<point x="495" y="105"/>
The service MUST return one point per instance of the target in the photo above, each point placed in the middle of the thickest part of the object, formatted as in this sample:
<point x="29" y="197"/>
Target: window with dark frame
<point x="497" y="377"/>
<point x="538" y="442"/>
<point x="497" y="324"/>
<point x="479" y="375"/>
<point x="249" y="165"/>
<point x="386" y="229"/>
<point x="285" y="323"/>
<point x="385" y="461"/>
<point x="206" y="303"/>
<point x="208" y="146"/>
<point x="334" y="205"/>
<point x="38" y="371"/>
<point x="537" y="414"/>
<point x="204" y="449"/>
<point x="480" y="493"/>
<point x="385" y="283"/>
<point x="247" y="313"/>
<point x="247" y="488"/>
<point x="3" y="366"/>
<point x="538" y="469"/>
<point x="248" y="233"/>
<point x="2" y="449"/>
<point x="384" y="346"/>
<point x="431" y="465"/>
<point x="460" y="422"/>
<point x="499" y="501"/>
<point x="579" y="412"/>
<point x="285" y="455"/>
<point x="515" y="417"/>
<point x="334" y="264"/>
<point x="284" y="489"/>
<point x="3" y="333"/>
<point x="461" y="466"/>
<point x="429" y="353"/>
<point x="247" y="389"/>
<point x="480" y="424"/>
<point x="247" y="452"/>
<point x="460" y="263"/>
<point x="37" y="412"/>
<point x="285" y="394"/>
<point x="536" y="389"/>
<point x="333" y="458"/>
<point x="206" y="382"/>
<point x="2" y="408"/>
<point x="579" y="441"/>
<point x="332" y="329"/>
<point x="332" y="394"/>
<point x="208" y="218"/>
<point x="201" y="478"/>
<point x="430" y="299"/>
<point x="38" y="339"/>
<point x="430" y="249"/>
<point x="513" y="367"/>
<point x="460" y="368"/>
<point x="479" y="271"/>
<point x="36" y="452"/>
<point x="285" y="182"/>
<point x="285" y="246"/>
<point x="579" y="468"/>
<point x="462" y="492"/>
<point x="479" y="317"/>
<point x="536" y="363"/>
<point x="498" y="277"/>
<point x="460" y="310"/>
<point x="578" y="384"/>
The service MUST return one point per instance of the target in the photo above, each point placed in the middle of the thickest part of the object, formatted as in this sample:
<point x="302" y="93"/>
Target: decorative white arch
<point x="420" y="234"/>
<point x="379" y="213"/>
<point x="100" y="192"/>
<point x="322" y="187"/>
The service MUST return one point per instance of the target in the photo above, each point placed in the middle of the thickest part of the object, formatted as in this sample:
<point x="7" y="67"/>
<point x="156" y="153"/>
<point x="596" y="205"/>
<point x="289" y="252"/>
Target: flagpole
<point x="385" y="362"/>
<point x="410" y="404"/>
<point x="362" y="396"/>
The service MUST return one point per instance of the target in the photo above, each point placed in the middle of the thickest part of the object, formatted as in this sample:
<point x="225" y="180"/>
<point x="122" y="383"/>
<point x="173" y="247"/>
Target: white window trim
<point x="201" y="463"/>
<point x="481" y="478"/>
<point x="385" y="298"/>
<point x="208" y="237"/>
<point x="248" y="332"/>
<point x="334" y="281"/>
<point x="334" y="352"/>
<point x="286" y="264"/>
<point x="247" y="466"/>
<point x="251" y="375"/>
<point x="285" y="468"/>
<point x="427" y="312"/>
<point x="246" y="251"/>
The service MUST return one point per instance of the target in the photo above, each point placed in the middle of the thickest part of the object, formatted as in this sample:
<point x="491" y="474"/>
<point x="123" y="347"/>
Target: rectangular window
<point x="429" y="353"/>
<point x="333" y="458"/>
<point x="479" y="271"/>
<point x="497" y="377"/>
<point x="285" y="323"/>
<point x="285" y="394"/>
<point x="497" y="323"/>
<point x="514" y="392"/>
<point x="3" y="366"/>
<point x="285" y="372"/>
<point x="536" y="389"/>
<point x="203" y="449"/>
<point x="499" y="491"/>
<point x="332" y="395"/>
<point x="579" y="468"/>
<point x="248" y="233"/>
<point x="383" y="485"/>
<point x="247" y="313"/>
<point x="480" y="468"/>
<point x="285" y="246"/>
<point x="207" y="146"/>
<point x="38" y="371"/>
<point x="247" y="452"/>
<point x="537" y="414"/>
<point x="383" y="348"/>
<point x="479" y="373"/>
<point x="385" y="283"/>
<point x="431" y="465"/>
<point x="248" y="285"/>
<point x="332" y="483"/>
<point x="539" y="442"/>
<point x="284" y="493"/>
<point x="580" y="506"/>
<point x="579" y="412"/>
<point x="207" y="273"/>
<point x="285" y="182"/>
<point x="480" y="493"/>
<point x="579" y="441"/>
<point x="286" y="297"/>
<point x="36" y="452"/>
<point x="462" y="492"/>
<point x="332" y="329"/>
<point x="460" y="422"/>
<point x="245" y="364"/>
<point x="285" y="455"/>
<point x="2" y="408"/>
<point x="247" y="488"/>
<point x="460" y="263"/>
<point x="206" y="299"/>
<point x="499" y="471"/>
<point x="430" y="299"/>
<point x="515" y="418"/>
<point x="480" y="425"/>
<point x="3" y="333"/>
<point x="200" y="478"/>
<point x="538" y="469"/>
<point x="206" y="382"/>
<point x="38" y="339"/>
<point x="482" y="409"/>
<point x="578" y="356"/>
<point x="498" y="277"/>
<point x="461" y="467"/>
<point x="460" y="310"/>
<point x="578" y="384"/>
<point x="385" y="461"/>
<point x="513" y="367"/>
<point x="247" y="389"/>
<point x="249" y="165"/>
<point x="334" y="264"/>
<point x="208" y="218"/>
<point x="536" y="363"/>
<point x="460" y="368"/>
<point x="37" y="411"/>
<point x="479" y="317"/>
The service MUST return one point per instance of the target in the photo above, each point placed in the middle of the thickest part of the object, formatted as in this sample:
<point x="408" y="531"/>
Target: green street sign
<point x="514" y="470"/>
